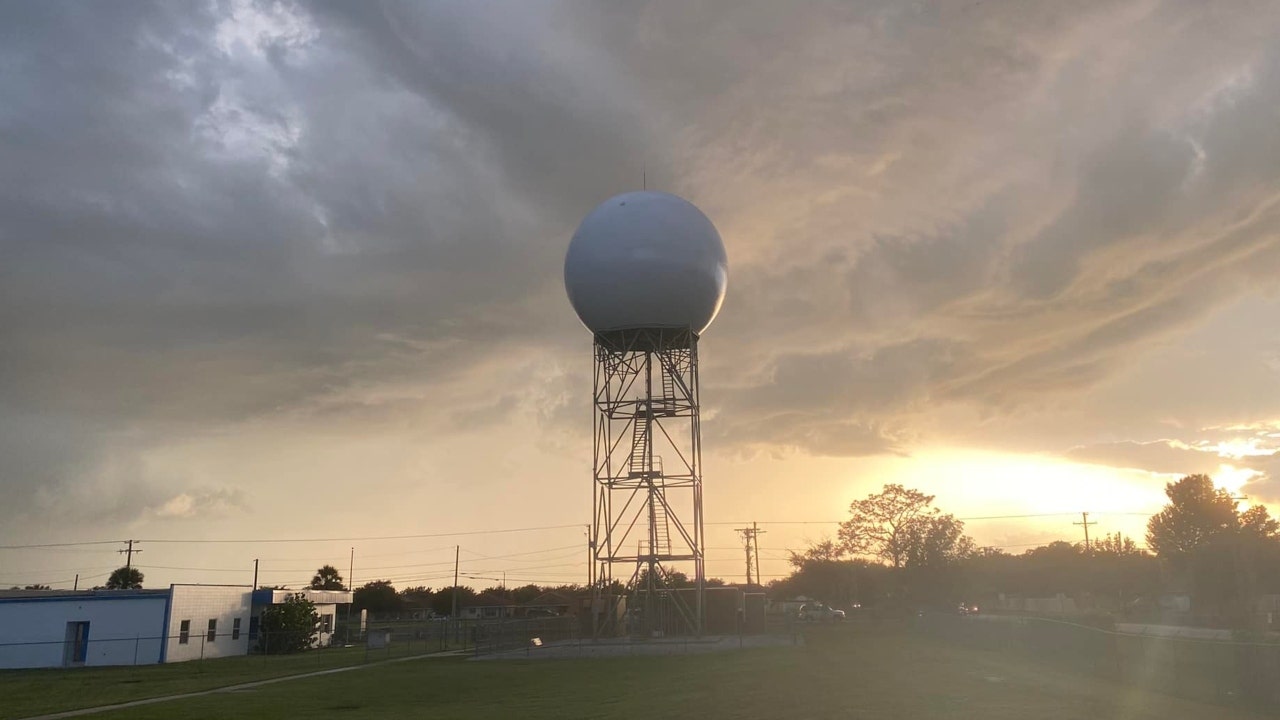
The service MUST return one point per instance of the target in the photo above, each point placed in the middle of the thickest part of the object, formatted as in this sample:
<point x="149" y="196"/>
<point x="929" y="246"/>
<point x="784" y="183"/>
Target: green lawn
<point x="840" y="673"/>
<point x="32" y="692"/>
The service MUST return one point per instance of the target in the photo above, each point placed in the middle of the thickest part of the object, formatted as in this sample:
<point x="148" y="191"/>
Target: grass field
<point x="840" y="673"/>
<point x="24" y="693"/>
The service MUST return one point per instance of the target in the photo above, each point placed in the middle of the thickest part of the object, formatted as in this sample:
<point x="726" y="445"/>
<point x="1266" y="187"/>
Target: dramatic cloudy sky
<point x="275" y="270"/>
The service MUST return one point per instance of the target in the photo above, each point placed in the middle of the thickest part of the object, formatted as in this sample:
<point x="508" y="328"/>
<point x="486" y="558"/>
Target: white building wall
<point x="328" y="619"/>
<point x="122" y="631"/>
<point x="198" y="604"/>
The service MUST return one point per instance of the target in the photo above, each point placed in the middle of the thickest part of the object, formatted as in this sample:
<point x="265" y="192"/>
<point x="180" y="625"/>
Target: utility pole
<point x="255" y="573"/>
<point x="456" y="550"/>
<point x="1084" y="522"/>
<point x="752" y="547"/>
<point x="591" y="582"/>
<point x="351" y="570"/>
<point x="591" y="558"/>
<point x="746" y="544"/>
<point x="128" y="553"/>
<point x="755" y="537"/>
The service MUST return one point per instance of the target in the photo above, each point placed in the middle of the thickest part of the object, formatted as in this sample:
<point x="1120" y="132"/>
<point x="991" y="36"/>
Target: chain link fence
<point x="525" y="633"/>
<point x="346" y="645"/>
<point x="379" y="641"/>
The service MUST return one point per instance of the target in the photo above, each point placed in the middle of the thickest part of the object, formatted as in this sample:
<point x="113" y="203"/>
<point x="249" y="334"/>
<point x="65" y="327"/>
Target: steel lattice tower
<point x="646" y="272"/>
<point x="648" y="479"/>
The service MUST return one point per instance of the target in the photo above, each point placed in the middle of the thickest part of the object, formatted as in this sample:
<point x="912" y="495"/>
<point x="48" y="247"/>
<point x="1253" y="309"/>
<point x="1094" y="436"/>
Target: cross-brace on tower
<point x="648" y="481"/>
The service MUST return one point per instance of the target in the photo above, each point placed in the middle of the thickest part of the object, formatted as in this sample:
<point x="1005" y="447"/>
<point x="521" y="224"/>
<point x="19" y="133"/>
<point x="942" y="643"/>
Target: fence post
<point x="136" y="640"/>
<point x="202" y="647"/>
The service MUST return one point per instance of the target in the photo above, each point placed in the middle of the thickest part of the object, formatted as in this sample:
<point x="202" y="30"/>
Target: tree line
<point x="380" y="597"/>
<point x="897" y="549"/>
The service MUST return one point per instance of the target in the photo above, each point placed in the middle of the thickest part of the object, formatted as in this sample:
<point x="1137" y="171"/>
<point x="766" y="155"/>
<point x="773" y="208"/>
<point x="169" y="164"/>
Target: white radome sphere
<point x="646" y="260"/>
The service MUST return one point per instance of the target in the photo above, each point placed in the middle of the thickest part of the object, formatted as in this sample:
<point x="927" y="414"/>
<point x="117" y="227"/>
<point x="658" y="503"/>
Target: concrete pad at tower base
<point x="622" y="647"/>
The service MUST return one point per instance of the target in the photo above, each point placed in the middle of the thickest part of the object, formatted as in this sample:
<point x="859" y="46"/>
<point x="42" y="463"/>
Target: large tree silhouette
<point x="901" y="527"/>
<point x="1196" y="514"/>
<point x="1224" y="556"/>
<point x="378" y="596"/>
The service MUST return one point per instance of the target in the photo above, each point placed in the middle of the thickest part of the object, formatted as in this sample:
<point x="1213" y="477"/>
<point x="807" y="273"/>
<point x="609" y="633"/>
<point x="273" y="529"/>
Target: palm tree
<point x="327" y="578"/>
<point x="125" y="578"/>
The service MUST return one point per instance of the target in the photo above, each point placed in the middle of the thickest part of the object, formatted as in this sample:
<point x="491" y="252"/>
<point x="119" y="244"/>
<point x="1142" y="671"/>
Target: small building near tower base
<point x="326" y="602"/>
<point x="78" y="628"/>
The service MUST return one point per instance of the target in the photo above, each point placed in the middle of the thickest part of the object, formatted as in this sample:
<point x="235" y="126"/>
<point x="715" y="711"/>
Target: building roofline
<point x="16" y="596"/>
<point x="234" y="585"/>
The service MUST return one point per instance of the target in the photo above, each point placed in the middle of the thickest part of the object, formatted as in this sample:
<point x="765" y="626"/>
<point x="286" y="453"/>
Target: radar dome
<point x="646" y="260"/>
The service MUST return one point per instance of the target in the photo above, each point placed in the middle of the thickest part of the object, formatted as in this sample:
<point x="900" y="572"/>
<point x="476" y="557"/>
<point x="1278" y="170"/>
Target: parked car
<point x="817" y="612"/>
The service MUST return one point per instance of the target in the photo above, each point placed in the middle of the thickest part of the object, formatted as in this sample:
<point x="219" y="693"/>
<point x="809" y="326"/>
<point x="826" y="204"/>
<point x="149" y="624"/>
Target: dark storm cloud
<point x="1158" y="232"/>
<point x="200" y="230"/>
<point x="1124" y="193"/>
<point x="224" y="228"/>
<point x="343" y="213"/>
<point x="524" y="94"/>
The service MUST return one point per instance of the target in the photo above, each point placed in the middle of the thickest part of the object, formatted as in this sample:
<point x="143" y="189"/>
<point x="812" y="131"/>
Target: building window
<point x="213" y="630"/>
<point x="235" y="629"/>
<point x="184" y="632"/>
<point x="326" y="623"/>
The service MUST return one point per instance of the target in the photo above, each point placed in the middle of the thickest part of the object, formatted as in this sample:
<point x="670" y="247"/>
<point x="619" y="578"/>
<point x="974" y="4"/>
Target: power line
<point x="193" y="569"/>
<point x="425" y="566"/>
<point x="579" y="563"/>
<point x="368" y="538"/>
<point x="61" y="545"/>
<point x="291" y="540"/>
<point x="324" y="557"/>
<point x="329" y="558"/>
<point x="780" y="522"/>
<point x="575" y="546"/>
<point x="88" y="543"/>
<point x="1017" y="517"/>
<point x="24" y="573"/>
<point x="1020" y="516"/>
<point x="65" y="582"/>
